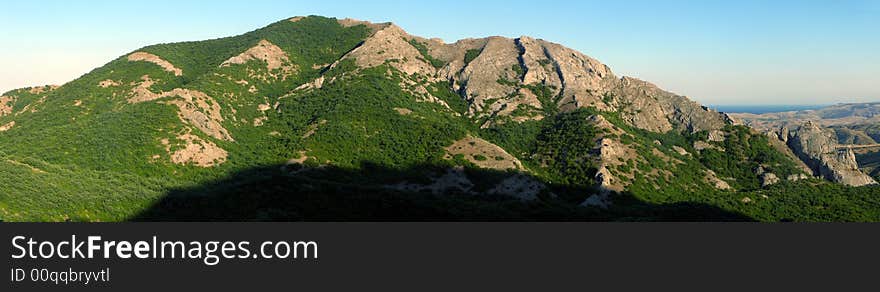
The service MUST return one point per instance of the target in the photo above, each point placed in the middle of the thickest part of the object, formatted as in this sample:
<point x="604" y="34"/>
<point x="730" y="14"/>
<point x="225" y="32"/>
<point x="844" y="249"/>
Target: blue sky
<point x="717" y="52"/>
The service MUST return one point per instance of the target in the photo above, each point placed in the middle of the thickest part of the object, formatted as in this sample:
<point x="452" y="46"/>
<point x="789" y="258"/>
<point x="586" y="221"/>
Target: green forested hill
<point x="322" y="119"/>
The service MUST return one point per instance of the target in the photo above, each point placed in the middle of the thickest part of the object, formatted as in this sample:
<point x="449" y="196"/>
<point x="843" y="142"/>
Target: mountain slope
<point x="313" y="111"/>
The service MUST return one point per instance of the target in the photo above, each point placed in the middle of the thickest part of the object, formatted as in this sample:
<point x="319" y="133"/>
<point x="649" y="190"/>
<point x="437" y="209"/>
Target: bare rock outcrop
<point x="200" y="110"/>
<point x="818" y="148"/>
<point x="648" y="107"/>
<point x="584" y="79"/>
<point x="779" y="141"/>
<point x="483" y="154"/>
<point x="480" y="79"/>
<point x="6" y="105"/>
<point x="8" y="126"/>
<point x="455" y="56"/>
<point x="540" y="69"/>
<point x="274" y="57"/>
<point x="768" y="179"/>
<point x="194" y="107"/>
<point x="577" y="81"/>
<point x="195" y="150"/>
<point x="585" y="82"/>
<point x="717" y="136"/>
<point x="611" y="154"/>
<point x="108" y="83"/>
<point x="519" y="186"/>
<point x="390" y="44"/>
<point x="716" y="182"/>
<point x="680" y="151"/>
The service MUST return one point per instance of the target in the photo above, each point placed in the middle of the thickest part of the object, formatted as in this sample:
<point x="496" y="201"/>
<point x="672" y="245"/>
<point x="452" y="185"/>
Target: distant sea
<point x="763" y="109"/>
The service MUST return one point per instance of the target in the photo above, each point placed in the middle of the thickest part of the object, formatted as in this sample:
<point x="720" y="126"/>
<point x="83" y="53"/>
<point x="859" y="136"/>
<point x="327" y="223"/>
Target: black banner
<point x="440" y="256"/>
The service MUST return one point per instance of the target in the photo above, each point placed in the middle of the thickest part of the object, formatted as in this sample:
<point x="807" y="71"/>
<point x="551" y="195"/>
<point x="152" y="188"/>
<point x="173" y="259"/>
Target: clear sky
<point x="717" y="52"/>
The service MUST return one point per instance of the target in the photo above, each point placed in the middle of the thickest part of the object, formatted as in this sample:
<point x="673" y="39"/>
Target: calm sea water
<point x="763" y="109"/>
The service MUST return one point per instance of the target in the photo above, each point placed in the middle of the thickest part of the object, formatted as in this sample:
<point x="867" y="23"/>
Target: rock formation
<point x="6" y="105"/>
<point x="274" y="57"/>
<point x="818" y="148"/>
<point x="147" y="57"/>
<point x="768" y="179"/>
<point x="483" y="154"/>
<point x="499" y="78"/>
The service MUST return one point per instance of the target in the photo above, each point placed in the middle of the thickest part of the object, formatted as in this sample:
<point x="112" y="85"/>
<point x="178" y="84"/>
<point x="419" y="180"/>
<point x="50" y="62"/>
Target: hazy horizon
<point x="718" y="53"/>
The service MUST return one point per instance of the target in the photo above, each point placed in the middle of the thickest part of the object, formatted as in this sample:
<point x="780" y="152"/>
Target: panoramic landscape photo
<point x="331" y="118"/>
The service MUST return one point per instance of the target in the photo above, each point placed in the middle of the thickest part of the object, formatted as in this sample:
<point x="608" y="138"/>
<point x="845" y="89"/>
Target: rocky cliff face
<point x="822" y="136"/>
<point x="498" y="75"/>
<point x="575" y="81"/>
<point x="818" y="148"/>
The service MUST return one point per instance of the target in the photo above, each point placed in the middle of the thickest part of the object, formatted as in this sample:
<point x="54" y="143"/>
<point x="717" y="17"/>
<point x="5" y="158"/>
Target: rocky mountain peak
<point x="498" y="75"/>
<point x="389" y="44"/>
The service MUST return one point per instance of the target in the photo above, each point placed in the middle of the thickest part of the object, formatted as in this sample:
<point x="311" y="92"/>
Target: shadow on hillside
<point x="332" y="194"/>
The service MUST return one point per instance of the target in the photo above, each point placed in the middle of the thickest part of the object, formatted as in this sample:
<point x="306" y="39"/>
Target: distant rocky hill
<point x="314" y="118"/>
<point x="829" y="137"/>
<point x="844" y="114"/>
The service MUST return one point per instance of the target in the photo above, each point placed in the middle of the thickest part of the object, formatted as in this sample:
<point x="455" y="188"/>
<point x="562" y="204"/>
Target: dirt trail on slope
<point x="147" y="57"/>
<point x="31" y="167"/>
